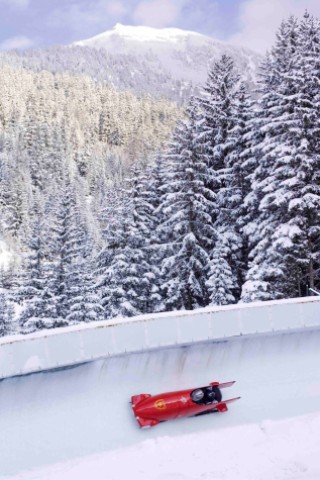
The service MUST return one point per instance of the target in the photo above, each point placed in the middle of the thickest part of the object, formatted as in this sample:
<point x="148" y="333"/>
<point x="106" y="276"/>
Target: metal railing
<point x="313" y="291"/>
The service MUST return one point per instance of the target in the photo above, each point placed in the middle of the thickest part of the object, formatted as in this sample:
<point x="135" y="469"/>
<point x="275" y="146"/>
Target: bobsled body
<point x="150" y="410"/>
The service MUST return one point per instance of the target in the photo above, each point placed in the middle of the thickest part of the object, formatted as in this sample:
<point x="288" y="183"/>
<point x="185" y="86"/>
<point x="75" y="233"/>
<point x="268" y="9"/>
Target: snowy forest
<point x="113" y="204"/>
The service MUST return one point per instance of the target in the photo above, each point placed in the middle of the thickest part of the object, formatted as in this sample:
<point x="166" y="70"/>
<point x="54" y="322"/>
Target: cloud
<point x="157" y="13"/>
<point x="260" y="19"/>
<point x="116" y="8"/>
<point x="87" y="17"/>
<point x="17" y="42"/>
<point x="197" y="15"/>
<point x="202" y="16"/>
<point x="78" y="19"/>
<point x="19" y="4"/>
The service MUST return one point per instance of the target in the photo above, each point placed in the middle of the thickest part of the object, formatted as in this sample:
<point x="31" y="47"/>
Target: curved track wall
<point x="70" y="346"/>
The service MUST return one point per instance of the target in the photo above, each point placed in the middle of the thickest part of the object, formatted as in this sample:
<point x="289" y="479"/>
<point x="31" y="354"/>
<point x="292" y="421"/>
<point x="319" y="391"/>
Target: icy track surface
<point x="76" y="417"/>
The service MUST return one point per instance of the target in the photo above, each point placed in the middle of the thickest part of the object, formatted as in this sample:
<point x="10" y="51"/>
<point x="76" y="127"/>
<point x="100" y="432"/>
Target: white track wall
<point x="20" y="355"/>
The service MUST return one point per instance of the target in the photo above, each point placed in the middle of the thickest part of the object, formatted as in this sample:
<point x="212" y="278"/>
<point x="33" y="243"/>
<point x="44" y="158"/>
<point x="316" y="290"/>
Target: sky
<point x="40" y="23"/>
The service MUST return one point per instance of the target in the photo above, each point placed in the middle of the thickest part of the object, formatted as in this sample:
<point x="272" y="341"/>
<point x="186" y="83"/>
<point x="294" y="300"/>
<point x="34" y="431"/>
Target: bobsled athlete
<point x="197" y="395"/>
<point x="206" y="395"/>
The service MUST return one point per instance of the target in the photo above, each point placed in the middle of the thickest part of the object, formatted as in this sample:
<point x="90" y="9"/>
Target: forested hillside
<point x="65" y="136"/>
<point x="114" y="223"/>
<point x="122" y="71"/>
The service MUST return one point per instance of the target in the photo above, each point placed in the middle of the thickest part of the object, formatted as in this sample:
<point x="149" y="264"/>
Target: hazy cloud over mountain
<point x="16" y="42"/>
<point x="258" y="20"/>
<point x="251" y="23"/>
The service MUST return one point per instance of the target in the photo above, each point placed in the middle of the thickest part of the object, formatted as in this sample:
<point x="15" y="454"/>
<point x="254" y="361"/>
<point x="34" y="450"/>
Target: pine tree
<point x="84" y="303"/>
<point x="126" y="282"/>
<point x="226" y="111"/>
<point x="221" y="282"/>
<point x="114" y="236"/>
<point x="70" y="252"/>
<point x="7" y="326"/>
<point x="233" y="212"/>
<point x="304" y="203"/>
<point x="160" y="245"/>
<point x="221" y="93"/>
<point x="34" y="291"/>
<point x="284" y="201"/>
<point x="187" y="207"/>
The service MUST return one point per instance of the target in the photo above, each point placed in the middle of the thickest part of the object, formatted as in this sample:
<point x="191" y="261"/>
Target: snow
<point x="71" y="423"/>
<point x="283" y="450"/>
<point x="5" y="255"/>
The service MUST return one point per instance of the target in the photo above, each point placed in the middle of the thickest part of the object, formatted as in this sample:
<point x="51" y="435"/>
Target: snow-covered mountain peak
<point x="141" y="34"/>
<point x="181" y="55"/>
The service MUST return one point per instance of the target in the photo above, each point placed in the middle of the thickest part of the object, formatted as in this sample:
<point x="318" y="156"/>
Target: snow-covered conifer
<point x="70" y="250"/>
<point x="217" y="105"/>
<point x="126" y="283"/>
<point x="187" y="208"/>
<point x="35" y="292"/>
<point x="226" y="110"/>
<point x="221" y="281"/>
<point x="284" y="201"/>
<point x="7" y="326"/>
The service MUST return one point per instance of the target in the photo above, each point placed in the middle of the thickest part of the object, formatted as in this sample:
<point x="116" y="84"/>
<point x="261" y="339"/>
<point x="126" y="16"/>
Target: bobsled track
<point x="62" y="397"/>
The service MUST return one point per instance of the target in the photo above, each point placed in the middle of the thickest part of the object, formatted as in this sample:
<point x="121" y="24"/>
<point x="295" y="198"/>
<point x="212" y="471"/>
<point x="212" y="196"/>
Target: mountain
<point x="185" y="55"/>
<point x="169" y="63"/>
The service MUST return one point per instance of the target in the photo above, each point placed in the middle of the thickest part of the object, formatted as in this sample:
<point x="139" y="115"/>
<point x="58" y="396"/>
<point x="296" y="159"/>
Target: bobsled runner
<point x="149" y="410"/>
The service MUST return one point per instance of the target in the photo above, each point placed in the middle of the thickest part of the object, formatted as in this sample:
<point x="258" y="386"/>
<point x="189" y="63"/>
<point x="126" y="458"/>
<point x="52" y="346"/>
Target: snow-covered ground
<point x="77" y="423"/>
<point x="282" y="450"/>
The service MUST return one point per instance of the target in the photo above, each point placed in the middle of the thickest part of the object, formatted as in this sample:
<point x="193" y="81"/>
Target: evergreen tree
<point x="221" y="93"/>
<point x="160" y="245"/>
<point x="221" y="282"/>
<point x="114" y="237"/>
<point x="35" y="293"/>
<point x="187" y="207"/>
<point x="84" y="303"/>
<point x="226" y="110"/>
<point x="127" y="280"/>
<point x="285" y="194"/>
<point x="70" y="251"/>
<point x="233" y="212"/>
<point x="7" y="326"/>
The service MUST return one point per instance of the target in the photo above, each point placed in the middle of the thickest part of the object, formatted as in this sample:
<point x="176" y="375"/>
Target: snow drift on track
<point x="283" y="450"/>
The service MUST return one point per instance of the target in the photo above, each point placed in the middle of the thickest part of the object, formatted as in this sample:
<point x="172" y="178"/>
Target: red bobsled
<point x="150" y="410"/>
